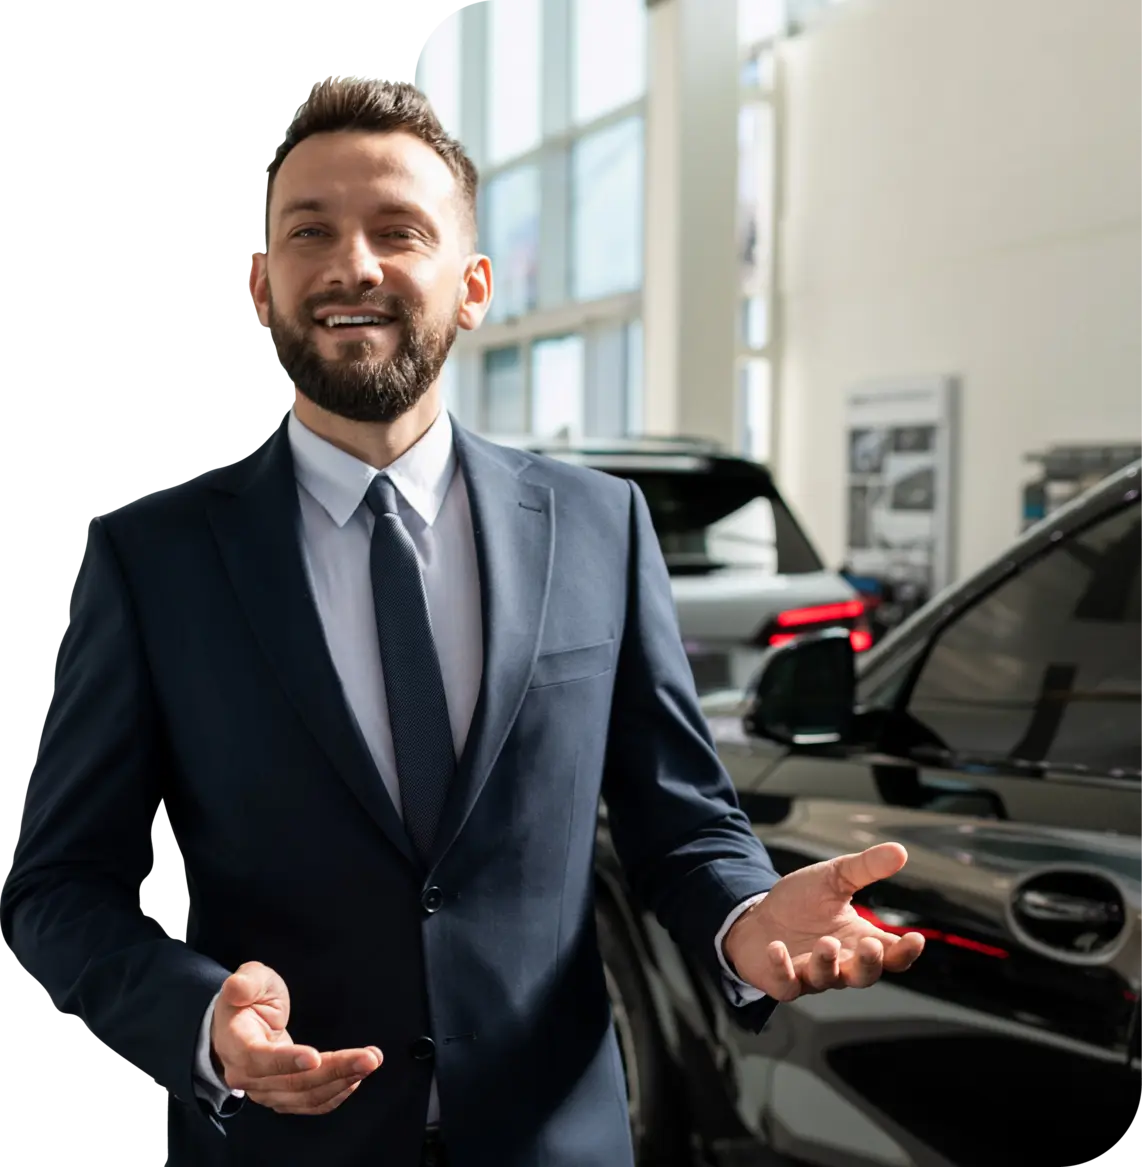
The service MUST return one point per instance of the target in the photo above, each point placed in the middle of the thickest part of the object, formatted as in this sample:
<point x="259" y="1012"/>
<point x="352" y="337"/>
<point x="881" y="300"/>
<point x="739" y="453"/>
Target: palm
<point x="806" y="936"/>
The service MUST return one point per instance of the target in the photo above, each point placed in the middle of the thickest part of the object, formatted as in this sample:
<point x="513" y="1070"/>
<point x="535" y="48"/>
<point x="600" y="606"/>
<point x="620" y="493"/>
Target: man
<point x="380" y="673"/>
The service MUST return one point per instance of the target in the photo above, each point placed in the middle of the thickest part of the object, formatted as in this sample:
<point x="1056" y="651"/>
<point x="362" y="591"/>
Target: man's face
<point x="368" y="272"/>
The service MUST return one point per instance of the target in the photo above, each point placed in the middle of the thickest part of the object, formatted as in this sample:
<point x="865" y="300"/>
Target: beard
<point x="359" y="385"/>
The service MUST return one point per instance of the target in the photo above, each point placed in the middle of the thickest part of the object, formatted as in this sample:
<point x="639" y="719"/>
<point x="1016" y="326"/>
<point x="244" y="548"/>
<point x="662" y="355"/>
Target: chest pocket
<point x="573" y="664"/>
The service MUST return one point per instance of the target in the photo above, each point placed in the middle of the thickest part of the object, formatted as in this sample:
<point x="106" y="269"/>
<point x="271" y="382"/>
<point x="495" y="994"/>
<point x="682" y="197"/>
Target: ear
<point x="260" y="288"/>
<point x="476" y="293"/>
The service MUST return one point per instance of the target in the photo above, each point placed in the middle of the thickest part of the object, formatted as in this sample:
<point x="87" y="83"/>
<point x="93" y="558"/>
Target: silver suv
<point x="744" y="573"/>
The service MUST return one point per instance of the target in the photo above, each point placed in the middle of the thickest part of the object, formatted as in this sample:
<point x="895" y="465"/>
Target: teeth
<point x="333" y="321"/>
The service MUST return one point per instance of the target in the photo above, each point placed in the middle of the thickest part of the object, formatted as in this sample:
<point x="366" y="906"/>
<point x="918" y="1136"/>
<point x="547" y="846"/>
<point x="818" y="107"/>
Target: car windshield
<point x="728" y="515"/>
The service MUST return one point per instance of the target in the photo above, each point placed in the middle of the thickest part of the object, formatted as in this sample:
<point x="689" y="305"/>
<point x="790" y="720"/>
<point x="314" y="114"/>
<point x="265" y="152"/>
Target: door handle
<point x="1060" y="908"/>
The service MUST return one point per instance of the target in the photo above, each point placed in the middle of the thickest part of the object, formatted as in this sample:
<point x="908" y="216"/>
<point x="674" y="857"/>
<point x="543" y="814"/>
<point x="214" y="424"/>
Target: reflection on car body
<point x="996" y="733"/>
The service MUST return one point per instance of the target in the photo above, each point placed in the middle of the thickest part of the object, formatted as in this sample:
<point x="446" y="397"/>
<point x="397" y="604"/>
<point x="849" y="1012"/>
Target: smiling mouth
<point x="356" y="322"/>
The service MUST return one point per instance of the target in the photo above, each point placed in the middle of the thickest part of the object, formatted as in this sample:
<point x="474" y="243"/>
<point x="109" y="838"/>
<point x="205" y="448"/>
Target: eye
<point x="305" y="232"/>
<point x="400" y="233"/>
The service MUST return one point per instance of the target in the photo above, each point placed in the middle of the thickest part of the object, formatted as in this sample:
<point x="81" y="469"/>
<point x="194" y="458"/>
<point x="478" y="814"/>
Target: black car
<point x="997" y="734"/>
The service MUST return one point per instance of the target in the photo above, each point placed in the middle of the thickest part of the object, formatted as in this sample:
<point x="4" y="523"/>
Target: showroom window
<point x="557" y="386"/>
<point x="513" y="60"/>
<point x="509" y="225"/>
<point x="550" y="98"/>
<point x="606" y="196"/>
<point x="1046" y="667"/>
<point x="504" y="397"/>
<point x="610" y="56"/>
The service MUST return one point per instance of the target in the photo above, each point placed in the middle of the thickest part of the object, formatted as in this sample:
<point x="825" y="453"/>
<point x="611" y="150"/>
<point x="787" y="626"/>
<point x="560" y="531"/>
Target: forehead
<point x="351" y="170"/>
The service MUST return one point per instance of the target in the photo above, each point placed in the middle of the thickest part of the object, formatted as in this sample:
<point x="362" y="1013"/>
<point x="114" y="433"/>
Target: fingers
<point x="269" y="1070"/>
<point x="863" y="967"/>
<point x="901" y="954"/>
<point x="852" y="872"/>
<point x="820" y="969"/>
<point x="780" y="980"/>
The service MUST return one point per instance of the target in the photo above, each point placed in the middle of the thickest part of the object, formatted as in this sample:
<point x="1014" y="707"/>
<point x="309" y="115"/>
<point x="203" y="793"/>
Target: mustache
<point x="387" y="304"/>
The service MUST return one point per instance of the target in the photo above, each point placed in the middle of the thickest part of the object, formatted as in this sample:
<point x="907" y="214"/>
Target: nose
<point x="353" y="263"/>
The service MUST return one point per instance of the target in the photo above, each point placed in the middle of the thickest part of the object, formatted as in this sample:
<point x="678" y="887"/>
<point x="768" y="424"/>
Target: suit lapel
<point x="255" y="517"/>
<point x="514" y="527"/>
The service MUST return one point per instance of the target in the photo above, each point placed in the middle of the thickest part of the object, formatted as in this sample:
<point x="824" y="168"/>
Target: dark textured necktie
<point x="414" y="687"/>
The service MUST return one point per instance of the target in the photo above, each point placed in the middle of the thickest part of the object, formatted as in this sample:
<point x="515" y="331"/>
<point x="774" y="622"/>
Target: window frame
<point x="900" y="682"/>
<point x="556" y="312"/>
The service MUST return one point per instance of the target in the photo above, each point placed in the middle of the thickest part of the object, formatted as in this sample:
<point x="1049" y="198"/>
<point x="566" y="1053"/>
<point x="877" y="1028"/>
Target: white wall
<point x="962" y="196"/>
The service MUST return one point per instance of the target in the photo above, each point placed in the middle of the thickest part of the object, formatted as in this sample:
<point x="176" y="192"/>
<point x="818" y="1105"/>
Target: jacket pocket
<point x="573" y="664"/>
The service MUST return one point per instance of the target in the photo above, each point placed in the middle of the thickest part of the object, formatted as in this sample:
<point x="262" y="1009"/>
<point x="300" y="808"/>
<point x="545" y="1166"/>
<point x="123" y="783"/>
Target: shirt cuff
<point x="739" y="992"/>
<point x="207" y="1085"/>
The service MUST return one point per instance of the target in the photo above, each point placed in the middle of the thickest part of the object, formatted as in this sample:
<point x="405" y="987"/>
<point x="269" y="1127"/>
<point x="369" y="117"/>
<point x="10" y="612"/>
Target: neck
<point x="376" y="443"/>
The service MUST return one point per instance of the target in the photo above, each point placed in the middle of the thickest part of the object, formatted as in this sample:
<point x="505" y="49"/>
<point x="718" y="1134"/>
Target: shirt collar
<point x="338" y="481"/>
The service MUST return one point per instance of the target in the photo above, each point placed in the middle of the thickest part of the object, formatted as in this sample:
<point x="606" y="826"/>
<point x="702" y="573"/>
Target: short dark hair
<point x="386" y="107"/>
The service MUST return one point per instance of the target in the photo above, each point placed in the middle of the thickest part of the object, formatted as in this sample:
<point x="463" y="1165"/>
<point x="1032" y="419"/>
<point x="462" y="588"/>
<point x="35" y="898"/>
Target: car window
<point x="723" y="517"/>
<point x="1047" y="667"/>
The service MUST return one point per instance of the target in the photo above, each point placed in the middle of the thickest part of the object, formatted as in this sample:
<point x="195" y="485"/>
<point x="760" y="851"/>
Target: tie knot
<point x="381" y="496"/>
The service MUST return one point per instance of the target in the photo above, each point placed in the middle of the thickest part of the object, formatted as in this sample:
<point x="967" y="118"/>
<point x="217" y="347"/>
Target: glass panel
<point x="709" y="521"/>
<point x="610" y="55"/>
<point x="760" y="20"/>
<point x="756" y="396"/>
<point x="755" y="194"/>
<point x="634" y="393"/>
<point x="757" y="70"/>
<point x="1046" y="667"/>
<point x="754" y="322"/>
<point x="607" y="211"/>
<point x="513" y="72"/>
<point x="511" y="228"/>
<point x="438" y="73"/>
<point x="505" y="405"/>
<point x="557" y="386"/>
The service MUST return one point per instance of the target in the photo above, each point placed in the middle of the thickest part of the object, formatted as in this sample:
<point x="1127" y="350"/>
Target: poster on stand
<point x="900" y="439"/>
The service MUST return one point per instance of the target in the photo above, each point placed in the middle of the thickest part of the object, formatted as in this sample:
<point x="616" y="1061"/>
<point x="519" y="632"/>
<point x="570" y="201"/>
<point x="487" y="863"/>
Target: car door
<point x="1003" y="750"/>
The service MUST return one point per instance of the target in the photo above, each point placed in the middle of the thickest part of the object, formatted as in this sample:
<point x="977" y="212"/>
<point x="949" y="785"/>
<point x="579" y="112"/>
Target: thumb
<point x="852" y="872"/>
<point x="251" y="984"/>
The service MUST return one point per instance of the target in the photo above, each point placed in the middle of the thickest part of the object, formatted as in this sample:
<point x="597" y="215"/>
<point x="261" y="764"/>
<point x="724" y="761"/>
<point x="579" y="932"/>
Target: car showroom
<point x="852" y="292"/>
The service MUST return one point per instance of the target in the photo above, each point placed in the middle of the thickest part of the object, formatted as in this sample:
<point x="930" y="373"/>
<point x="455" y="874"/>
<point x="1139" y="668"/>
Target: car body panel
<point x="1015" y="1038"/>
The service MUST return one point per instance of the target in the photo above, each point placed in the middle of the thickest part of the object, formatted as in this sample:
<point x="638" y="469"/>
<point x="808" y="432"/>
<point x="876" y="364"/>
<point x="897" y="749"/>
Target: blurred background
<point x="889" y="248"/>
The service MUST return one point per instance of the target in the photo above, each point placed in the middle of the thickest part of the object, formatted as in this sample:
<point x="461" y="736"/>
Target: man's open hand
<point x="806" y="936"/>
<point x="254" y="1052"/>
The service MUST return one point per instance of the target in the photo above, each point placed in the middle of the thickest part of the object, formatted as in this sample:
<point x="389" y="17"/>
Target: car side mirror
<point x="805" y="692"/>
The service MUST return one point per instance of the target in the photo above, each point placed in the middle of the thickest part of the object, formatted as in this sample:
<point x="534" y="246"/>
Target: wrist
<point x="732" y="944"/>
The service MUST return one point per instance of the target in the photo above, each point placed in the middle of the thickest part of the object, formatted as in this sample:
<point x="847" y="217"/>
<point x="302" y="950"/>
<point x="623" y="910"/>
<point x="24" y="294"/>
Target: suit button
<point x="432" y="900"/>
<point x="423" y="1049"/>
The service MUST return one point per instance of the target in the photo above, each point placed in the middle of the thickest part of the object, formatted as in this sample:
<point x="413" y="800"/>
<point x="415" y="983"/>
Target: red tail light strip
<point x="860" y="639"/>
<point x="933" y="934"/>
<point x="820" y="614"/>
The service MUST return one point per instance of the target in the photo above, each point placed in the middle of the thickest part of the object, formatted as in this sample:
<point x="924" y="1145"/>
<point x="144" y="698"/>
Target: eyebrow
<point x="320" y="206"/>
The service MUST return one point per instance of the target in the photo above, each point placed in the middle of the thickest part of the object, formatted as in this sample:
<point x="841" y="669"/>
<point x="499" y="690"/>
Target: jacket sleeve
<point x="689" y="852"/>
<point x="70" y="906"/>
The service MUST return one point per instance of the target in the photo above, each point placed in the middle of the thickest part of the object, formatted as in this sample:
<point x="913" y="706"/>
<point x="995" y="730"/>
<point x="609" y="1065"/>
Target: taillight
<point x="820" y="614"/>
<point x="788" y="625"/>
<point x="861" y="639"/>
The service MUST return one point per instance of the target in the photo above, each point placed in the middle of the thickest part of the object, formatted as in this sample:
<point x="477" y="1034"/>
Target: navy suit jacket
<point x="194" y="671"/>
